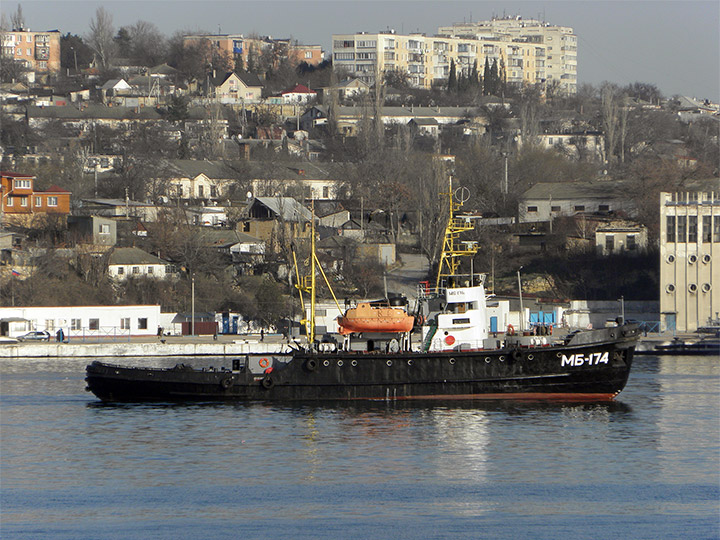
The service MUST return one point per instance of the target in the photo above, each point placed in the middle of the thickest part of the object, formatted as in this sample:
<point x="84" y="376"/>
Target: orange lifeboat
<point x="368" y="318"/>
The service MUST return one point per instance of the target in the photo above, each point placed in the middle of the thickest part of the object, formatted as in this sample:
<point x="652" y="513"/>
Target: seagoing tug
<point x="375" y="358"/>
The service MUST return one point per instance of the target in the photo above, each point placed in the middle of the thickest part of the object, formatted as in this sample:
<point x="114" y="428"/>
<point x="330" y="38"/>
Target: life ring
<point x="510" y="330"/>
<point x="227" y="382"/>
<point x="264" y="362"/>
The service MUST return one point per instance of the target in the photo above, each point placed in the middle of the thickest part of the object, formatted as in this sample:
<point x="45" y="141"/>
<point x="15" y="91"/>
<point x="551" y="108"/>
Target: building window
<point x="532" y="209"/>
<point x="52" y="201"/>
<point x="580" y="208"/>
<point x="609" y="243"/>
<point x="682" y="229"/>
<point x="201" y="191"/>
<point x="142" y="323"/>
<point x="707" y="229"/>
<point x="554" y="208"/>
<point x="246" y="227"/>
<point x="631" y="242"/>
<point x="604" y="208"/>
<point x="308" y="54"/>
<point x="94" y="324"/>
<point x="104" y="229"/>
<point x="75" y="324"/>
<point x="22" y="184"/>
<point x="49" y="325"/>
<point x="692" y="229"/>
<point x="38" y="202"/>
<point x="150" y="270"/>
<point x="120" y="270"/>
<point x="125" y="323"/>
<point x="10" y="201"/>
<point x="213" y="191"/>
<point x="23" y="201"/>
<point x="135" y="270"/>
<point x="670" y="228"/>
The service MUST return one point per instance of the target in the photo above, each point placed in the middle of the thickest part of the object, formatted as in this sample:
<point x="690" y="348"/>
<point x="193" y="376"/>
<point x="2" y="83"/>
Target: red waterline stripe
<point x="550" y="396"/>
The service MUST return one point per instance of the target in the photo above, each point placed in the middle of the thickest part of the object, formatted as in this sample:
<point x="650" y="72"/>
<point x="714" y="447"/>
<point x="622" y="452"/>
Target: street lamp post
<point x="522" y="309"/>
<point x="192" y="306"/>
<point x="75" y="56"/>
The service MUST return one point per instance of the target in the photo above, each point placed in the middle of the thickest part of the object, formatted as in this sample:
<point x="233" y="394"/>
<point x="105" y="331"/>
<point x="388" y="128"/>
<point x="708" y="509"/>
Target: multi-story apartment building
<point x="39" y="51"/>
<point x="689" y="258"/>
<point x="427" y="60"/>
<point x="558" y="64"/>
<point x="239" y="45"/>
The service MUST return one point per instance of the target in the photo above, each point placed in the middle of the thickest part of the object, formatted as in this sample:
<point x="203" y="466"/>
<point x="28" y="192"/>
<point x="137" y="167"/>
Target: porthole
<point x="326" y="363"/>
<point x="389" y="363"/>
<point x="410" y="362"/>
<point x="530" y="357"/>
<point x="353" y="363"/>
<point x="692" y="288"/>
<point x="502" y="358"/>
<point x="706" y="258"/>
<point x="670" y="288"/>
<point x="340" y="363"/>
<point x="692" y="259"/>
<point x="487" y="359"/>
<point x="706" y="287"/>
<point x="670" y="259"/>
<point x="452" y="360"/>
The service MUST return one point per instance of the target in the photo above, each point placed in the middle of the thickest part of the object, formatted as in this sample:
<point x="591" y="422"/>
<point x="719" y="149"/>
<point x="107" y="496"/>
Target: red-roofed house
<point x="20" y="201"/>
<point x="298" y="94"/>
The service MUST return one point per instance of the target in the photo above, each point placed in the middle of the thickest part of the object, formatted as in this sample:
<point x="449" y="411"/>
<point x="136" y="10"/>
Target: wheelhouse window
<point x="682" y="228"/>
<point x="670" y="228"/>
<point x="707" y="229"/>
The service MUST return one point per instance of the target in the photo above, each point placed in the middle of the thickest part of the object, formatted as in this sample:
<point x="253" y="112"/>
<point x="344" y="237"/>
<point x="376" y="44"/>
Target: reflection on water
<point x="643" y="467"/>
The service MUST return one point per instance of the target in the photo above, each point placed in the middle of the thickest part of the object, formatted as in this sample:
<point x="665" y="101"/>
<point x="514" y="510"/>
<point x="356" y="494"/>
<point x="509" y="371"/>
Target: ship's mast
<point x="451" y="253"/>
<point x="311" y="336"/>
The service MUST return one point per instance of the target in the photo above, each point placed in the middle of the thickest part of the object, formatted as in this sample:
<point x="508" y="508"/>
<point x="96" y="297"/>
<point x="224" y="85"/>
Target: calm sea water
<point x="646" y="466"/>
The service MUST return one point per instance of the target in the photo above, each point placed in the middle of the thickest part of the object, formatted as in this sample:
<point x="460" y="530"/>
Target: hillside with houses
<point x="128" y="177"/>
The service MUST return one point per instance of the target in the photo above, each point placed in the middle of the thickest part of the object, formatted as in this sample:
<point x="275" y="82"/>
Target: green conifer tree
<point x="452" y="77"/>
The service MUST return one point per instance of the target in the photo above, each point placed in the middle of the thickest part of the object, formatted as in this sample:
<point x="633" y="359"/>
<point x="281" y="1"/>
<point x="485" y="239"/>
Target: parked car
<point x="41" y="335"/>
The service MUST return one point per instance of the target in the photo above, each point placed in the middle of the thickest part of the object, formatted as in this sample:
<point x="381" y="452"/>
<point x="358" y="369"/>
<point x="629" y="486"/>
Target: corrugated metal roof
<point x="598" y="189"/>
<point x="133" y="255"/>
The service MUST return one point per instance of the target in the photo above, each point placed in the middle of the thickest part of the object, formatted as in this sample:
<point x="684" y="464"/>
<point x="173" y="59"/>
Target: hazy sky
<point x="673" y="44"/>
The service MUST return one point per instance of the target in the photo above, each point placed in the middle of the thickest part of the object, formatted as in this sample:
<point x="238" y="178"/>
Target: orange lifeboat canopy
<point x="368" y="318"/>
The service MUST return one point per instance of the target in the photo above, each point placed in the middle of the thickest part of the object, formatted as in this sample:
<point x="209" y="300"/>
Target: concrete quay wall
<point x="146" y="349"/>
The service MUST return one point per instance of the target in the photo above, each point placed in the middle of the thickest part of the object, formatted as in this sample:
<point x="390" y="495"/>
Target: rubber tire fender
<point x="311" y="364"/>
<point x="227" y="382"/>
<point x="516" y="355"/>
<point x="267" y="382"/>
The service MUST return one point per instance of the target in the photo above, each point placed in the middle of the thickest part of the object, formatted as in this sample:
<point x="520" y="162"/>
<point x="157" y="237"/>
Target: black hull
<point x="587" y="372"/>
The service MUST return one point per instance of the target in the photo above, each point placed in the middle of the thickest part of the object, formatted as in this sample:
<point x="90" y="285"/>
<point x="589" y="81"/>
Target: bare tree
<point x="148" y="44"/>
<point x="101" y="35"/>
<point x="17" y="19"/>
<point x="609" y="98"/>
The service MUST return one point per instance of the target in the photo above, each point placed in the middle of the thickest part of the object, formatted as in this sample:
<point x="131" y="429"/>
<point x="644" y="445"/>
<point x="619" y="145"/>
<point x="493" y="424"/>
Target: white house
<point x="298" y="94"/>
<point x="134" y="262"/>
<point x="81" y="321"/>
